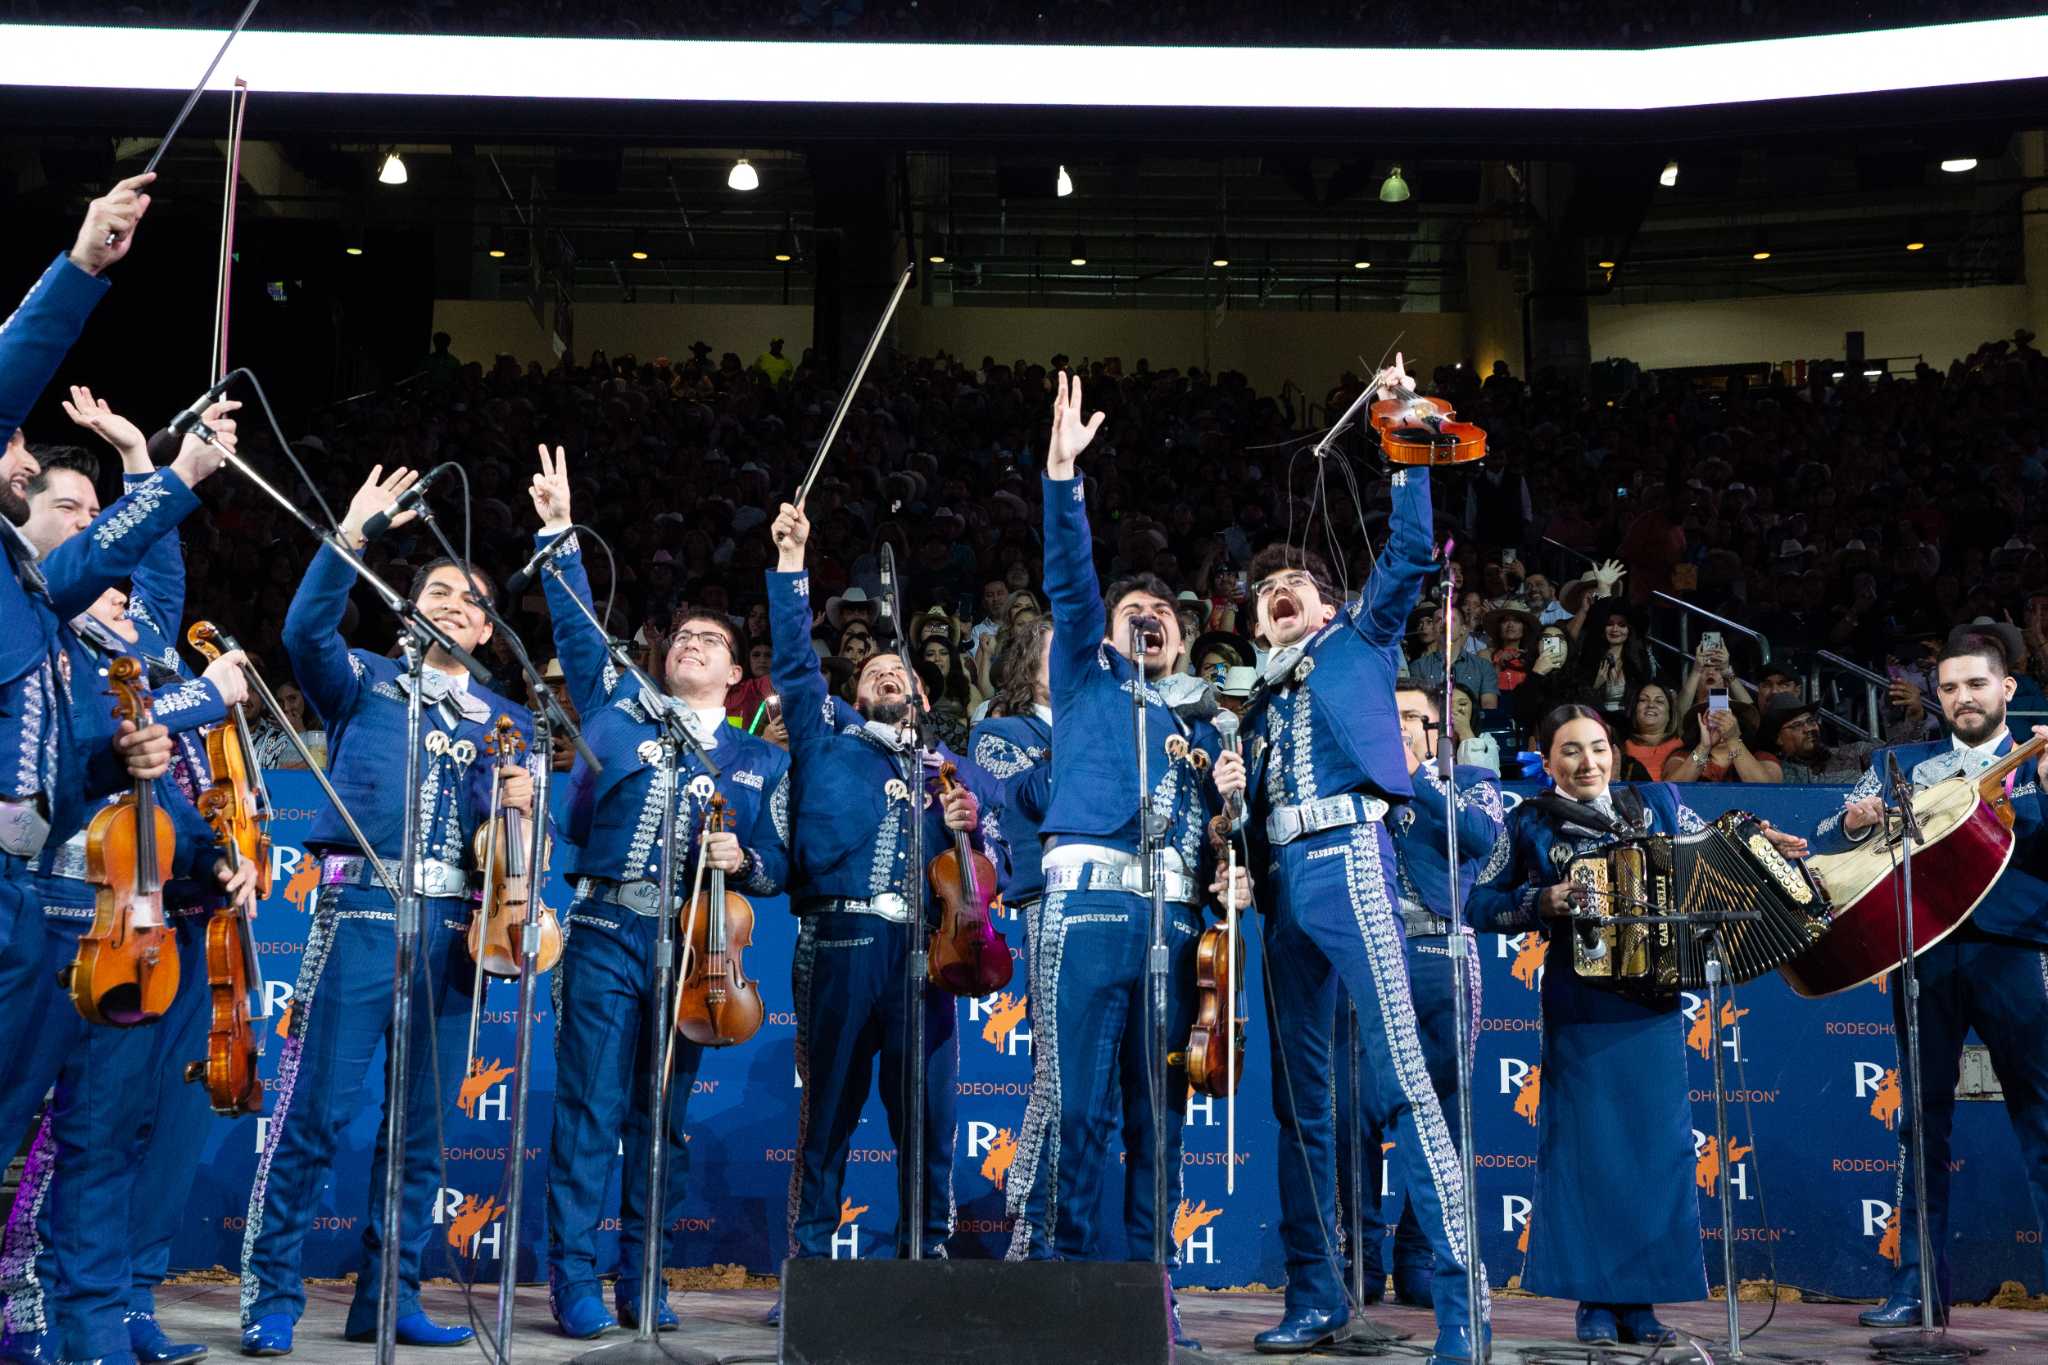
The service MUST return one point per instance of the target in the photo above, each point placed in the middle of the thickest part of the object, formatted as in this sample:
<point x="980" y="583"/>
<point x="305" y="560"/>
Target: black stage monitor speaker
<point x="1019" y="1313"/>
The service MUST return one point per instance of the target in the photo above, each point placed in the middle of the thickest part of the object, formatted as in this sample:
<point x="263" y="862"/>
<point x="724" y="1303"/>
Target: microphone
<point x="188" y="421"/>
<point x="1226" y="724"/>
<point x="518" y="582"/>
<point x="409" y="499"/>
<point x="1146" y="632"/>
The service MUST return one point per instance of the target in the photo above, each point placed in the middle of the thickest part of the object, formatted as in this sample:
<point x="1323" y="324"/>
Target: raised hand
<point x="550" y="491"/>
<point x="109" y="227"/>
<point x="378" y="494"/>
<point x="198" y="459"/>
<point x="1394" y="378"/>
<point x="117" y="431"/>
<point x="1070" y="435"/>
<point x="790" y="531"/>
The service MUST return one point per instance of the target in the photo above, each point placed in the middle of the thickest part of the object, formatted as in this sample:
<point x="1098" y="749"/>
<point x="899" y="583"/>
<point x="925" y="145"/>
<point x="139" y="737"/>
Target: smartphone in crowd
<point x="1552" y="647"/>
<point x="1507" y="556"/>
<point x="1717" y="699"/>
<point x="1710" y="643"/>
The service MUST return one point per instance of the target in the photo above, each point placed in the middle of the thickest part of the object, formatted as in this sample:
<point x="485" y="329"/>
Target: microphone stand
<point x="1927" y="1342"/>
<point x="1461" y="987"/>
<point x="1151" y="858"/>
<point x="917" y="957"/>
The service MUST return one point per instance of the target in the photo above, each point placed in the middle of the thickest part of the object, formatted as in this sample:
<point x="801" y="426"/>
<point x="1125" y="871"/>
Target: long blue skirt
<point x="1615" y="1216"/>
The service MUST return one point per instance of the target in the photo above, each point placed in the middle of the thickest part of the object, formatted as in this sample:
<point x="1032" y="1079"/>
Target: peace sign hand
<point x="378" y="494"/>
<point x="550" y="491"/>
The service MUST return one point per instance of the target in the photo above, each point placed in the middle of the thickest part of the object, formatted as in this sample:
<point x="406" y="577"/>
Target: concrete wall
<point x="1938" y="323"/>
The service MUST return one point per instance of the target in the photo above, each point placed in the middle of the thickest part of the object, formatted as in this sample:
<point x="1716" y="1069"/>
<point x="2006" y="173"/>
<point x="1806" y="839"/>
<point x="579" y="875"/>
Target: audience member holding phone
<point x="1714" y="748"/>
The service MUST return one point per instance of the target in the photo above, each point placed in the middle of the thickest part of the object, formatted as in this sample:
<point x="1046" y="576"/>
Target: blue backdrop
<point x="1813" y="1186"/>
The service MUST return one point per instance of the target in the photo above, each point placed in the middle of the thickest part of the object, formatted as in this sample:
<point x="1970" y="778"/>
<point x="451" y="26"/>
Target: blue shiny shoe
<point x="585" y="1319"/>
<point x="29" y="1348"/>
<point x="417" y="1329"/>
<point x="1899" y="1311"/>
<point x="1596" y="1325"/>
<point x="1639" y="1326"/>
<point x="152" y="1347"/>
<point x="773" y="1317"/>
<point x="1303" y="1330"/>
<point x="269" y="1335"/>
<point x="665" y="1319"/>
<point x="1454" y="1345"/>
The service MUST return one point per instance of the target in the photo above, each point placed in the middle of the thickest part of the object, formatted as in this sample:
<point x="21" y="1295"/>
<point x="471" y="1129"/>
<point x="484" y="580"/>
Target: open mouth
<point x="1283" y="610"/>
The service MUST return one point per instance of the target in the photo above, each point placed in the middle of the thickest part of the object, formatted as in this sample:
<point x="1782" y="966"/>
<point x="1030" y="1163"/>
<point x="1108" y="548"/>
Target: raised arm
<point x="798" y="676"/>
<point x="586" y="663"/>
<point x="1382" y="610"/>
<point x="1073" y="593"/>
<point x="327" y="672"/>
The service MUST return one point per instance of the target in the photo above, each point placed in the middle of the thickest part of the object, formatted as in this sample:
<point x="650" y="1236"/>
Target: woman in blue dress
<point x="1615" y="1220"/>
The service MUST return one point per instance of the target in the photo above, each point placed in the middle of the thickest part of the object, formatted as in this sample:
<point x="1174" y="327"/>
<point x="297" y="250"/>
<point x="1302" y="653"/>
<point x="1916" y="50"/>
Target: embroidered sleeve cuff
<point x="755" y="878"/>
<point x="1526" y="914"/>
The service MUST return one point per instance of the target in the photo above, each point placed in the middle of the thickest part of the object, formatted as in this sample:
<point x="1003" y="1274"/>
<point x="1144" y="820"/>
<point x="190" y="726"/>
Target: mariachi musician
<point x="606" y="979"/>
<point x="1424" y="904"/>
<point x="71" y="1294"/>
<point x="1614" y="1224"/>
<point x="858" y="901"/>
<point x="1990" y="975"/>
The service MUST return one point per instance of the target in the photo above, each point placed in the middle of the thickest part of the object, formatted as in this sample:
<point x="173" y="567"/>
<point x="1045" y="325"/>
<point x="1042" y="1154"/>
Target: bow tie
<point x="702" y="725"/>
<point x="99" y="635"/>
<point x="1280" y="663"/>
<point x="437" y="687"/>
<point x="24" y="556"/>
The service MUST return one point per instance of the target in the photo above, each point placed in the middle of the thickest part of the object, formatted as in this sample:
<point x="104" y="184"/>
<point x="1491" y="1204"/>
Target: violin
<point x="718" y="1004"/>
<point x="126" y="969"/>
<point x="1214" y="1057"/>
<point x="496" y="928"/>
<point x="238" y="807"/>
<point x="967" y="956"/>
<point x="1417" y="430"/>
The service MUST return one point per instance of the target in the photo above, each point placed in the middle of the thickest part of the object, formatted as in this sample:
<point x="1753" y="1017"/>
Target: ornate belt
<point x="1129" y="877"/>
<point x="437" y="880"/>
<point x="890" y="905"/>
<point x="1285" y="824"/>
<point x="641" y="897"/>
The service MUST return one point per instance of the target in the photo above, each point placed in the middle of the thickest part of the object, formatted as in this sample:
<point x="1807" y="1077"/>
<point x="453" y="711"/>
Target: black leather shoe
<point x="1900" y="1310"/>
<point x="1304" y="1330"/>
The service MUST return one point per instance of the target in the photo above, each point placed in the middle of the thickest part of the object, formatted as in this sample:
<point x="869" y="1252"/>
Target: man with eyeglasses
<point x="1328" y="765"/>
<point x="605" y="983"/>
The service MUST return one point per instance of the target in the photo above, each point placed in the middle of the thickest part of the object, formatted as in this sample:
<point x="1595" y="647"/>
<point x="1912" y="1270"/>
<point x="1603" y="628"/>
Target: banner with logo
<point x="1811" y="1160"/>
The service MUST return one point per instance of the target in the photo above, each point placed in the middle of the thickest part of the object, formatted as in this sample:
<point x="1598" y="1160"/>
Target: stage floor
<point x="727" y="1323"/>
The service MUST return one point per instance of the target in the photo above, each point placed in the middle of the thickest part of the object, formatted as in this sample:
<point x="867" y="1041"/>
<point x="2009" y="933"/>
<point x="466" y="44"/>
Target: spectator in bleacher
<point x="1652" y="733"/>
<point x="1512" y="632"/>
<point x="1609" y="661"/>
<point x="774" y="364"/>
<point x="1712" y="748"/>
<point x="1426" y="669"/>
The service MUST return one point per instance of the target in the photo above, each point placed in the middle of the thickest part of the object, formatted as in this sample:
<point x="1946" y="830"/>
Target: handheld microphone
<point x="518" y="582"/>
<point x="190" y="420"/>
<point x="409" y="499"/>
<point x="1226" y="724"/>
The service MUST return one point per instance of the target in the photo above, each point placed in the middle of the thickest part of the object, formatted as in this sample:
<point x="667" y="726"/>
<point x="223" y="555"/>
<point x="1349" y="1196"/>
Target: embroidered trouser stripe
<point x="1332" y="920"/>
<point x="1029" y="1190"/>
<point x="341" y="1019"/>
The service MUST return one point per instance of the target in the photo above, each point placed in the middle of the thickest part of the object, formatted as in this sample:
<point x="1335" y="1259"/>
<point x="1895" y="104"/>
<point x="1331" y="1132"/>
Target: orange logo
<point x="482" y="1076"/>
<point x="1701" y="1039"/>
<point x="1883" y="983"/>
<point x="1002" y="1150"/>
<point x="1530" y="1095"/>
<point x="1888" y="1245"/>
<point x="1706" y="1170"/>
<point x="299" y="890"/>
<point x="1884" y="1105"/>
<point x="472" y="1218"/>
<point x="848" y="1211"/>
<point x="1005" y="1014"/>
<point x="284" y="1020"/>
<point x="1522" y="1242"/>
<point x="1188" y="1221"/>
<point x="1529" y="950"/>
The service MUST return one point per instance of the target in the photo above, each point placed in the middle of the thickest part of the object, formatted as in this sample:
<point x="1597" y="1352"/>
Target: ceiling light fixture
<point x="1394" y="190"/>
<point x="1668" y="177"/>
<point x="743" y="177"/>
<point x="1956" y="165"/>
<point x="392" y="171"/>
<point x="1077" y="251"/>
<point x="1219" y="251"/>
<point x="1065" y="185"/>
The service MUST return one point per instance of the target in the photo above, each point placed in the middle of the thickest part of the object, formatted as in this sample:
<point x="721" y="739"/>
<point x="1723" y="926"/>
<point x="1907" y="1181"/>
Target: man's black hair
<point x="1149" y="583"/>
<point x="77" y="459"/>
<point x="1974" y="644"/>
<point x="1278" y="557"/>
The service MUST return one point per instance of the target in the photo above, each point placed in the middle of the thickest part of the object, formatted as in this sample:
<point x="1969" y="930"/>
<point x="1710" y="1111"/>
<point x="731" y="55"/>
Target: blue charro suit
<point x="1612" y="1064"/>
<point x="603" y="990"/>
<point x="341" y="1004"/>
<point x="69" y="1240"/>
<point x="854" y="890"/>
<point x="1991" y="976"/>
<point x="1089" y="997"/>
<point x="167" y="1116"/>
<point x="1419" y="831"/>
<point x="1326" y="739"/>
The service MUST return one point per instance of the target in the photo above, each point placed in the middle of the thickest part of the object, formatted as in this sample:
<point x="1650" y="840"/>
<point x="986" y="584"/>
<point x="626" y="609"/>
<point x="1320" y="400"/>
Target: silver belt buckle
<point x="641" y="897"/>
<point x="441" y="880"/>
<point x="23" y="830"/>
<point x="891" y="905"/>
<point x="340" y="870"/>
<point x="1283" y="824"/>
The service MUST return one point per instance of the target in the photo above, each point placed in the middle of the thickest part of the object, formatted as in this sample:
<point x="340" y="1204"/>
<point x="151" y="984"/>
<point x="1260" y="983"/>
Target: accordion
<point x="1729" y="869"/>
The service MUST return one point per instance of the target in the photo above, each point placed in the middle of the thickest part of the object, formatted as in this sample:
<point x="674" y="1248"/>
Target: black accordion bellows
<point x="1728" y="868"/>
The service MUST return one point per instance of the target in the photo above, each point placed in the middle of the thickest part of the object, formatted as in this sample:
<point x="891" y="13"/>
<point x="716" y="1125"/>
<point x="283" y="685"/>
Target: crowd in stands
<point x="1861" y="518"/>
<point x="1446" y="23"/>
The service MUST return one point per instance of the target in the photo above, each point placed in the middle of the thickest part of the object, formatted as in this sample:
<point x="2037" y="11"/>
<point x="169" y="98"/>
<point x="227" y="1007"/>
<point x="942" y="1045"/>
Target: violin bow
<point x="853" y="386"/>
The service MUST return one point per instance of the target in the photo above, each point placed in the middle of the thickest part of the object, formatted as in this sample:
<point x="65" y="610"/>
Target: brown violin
<point x="967" y="956"/>
<point x="1417" y="430"/>
<point x="1214" y="1056"/>
<point x="718" y="1005"/>
<point x="126" y="970"/>
<point x="238" y="807"/>
<point x="497" y="927"/>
